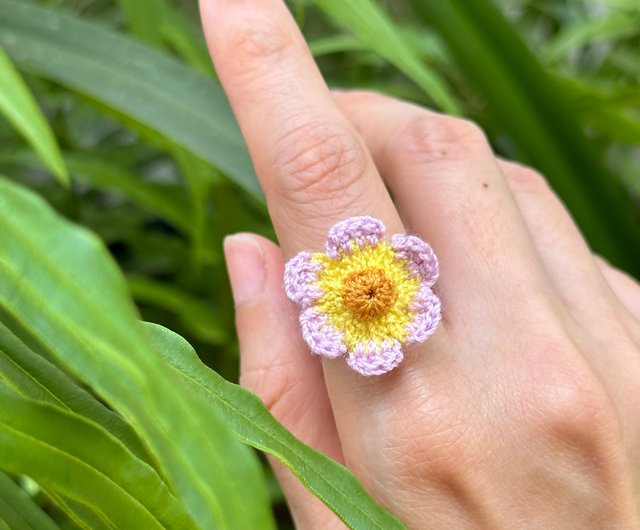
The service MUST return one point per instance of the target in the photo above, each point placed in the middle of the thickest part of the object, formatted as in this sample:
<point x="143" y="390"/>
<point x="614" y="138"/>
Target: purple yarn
<point x="300" y="276"/>
<point x="419" y="256"/>
<point x="362" y="230"/>
<point x="375" y="358"/>
<point x="427" y="315"/>
<point x="320" y="335"/>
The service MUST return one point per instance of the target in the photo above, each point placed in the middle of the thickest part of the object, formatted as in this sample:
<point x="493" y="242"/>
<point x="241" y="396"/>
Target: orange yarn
<point x="368" y="293"/>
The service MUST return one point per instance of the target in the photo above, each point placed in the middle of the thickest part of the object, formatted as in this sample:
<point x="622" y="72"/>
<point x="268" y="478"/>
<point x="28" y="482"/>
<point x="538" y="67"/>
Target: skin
<point x="522" y="410"/>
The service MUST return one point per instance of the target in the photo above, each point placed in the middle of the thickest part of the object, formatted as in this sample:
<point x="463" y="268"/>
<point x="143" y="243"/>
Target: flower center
<point x="368" y="293"/>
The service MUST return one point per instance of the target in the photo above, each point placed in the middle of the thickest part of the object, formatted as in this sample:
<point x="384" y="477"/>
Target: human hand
<point x="521" y="411"/>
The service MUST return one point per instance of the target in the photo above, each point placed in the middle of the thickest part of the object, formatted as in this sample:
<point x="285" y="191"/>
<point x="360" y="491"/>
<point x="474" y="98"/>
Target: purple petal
<point x="373" y="358"/>
<point x="300" y="275"/>
<point x="426" y="306"/>
<point x="322" y="337"/>
<point x="419" y="256"/>
<point x="363" y="230"/>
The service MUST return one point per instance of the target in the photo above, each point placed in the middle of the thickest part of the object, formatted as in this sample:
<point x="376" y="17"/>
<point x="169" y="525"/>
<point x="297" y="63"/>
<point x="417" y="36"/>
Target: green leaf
<point x="528" y="105"/>
<point x="188" y="40"/>
<point x="335" y="44"/>
<point x="165" y="200"/>
<point x="81" y="515"/>
<point x="20" y="108"/>
<point x="158" y="22"/>
<point x="144" y="84"/>
<point x="377" y="31"/>
<point x="249" y="419"/>
<point x="169" y="202"/>
<point x="89" y="466"/>
<point x="195" y="314"/>
<point x="615" y="25"/>
<point x="144" y="18"/>
<point x="33" y="376"/>
<point x="62" y="290"/>
<point x="19" y="511"/>
<point x="199" y="178"/>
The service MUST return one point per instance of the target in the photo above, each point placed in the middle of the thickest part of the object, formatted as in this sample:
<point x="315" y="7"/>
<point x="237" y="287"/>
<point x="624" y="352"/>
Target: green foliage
<point x="531" y="108"/>
<point x="150" y="376"/>
<point x="379" y="34"/>
<point x="21" y="109"/>
<point x="149" y="87"/>
<point x="254" y="425"/>
<point x="18" y="511"/>
<point x="89" y="466"/>
<point x="160" y="174"/>
<point x="113" y="357"/>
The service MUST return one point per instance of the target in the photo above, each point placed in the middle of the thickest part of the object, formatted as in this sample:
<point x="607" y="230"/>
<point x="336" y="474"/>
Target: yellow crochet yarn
<point x="390" y="317"/>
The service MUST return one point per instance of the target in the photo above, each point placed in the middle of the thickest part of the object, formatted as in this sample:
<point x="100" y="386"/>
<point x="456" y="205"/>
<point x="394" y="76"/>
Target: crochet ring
<point x="365" y="297"/>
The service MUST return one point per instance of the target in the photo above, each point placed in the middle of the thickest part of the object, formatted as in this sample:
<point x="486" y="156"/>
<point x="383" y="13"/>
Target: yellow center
<point x="368" y="293"/>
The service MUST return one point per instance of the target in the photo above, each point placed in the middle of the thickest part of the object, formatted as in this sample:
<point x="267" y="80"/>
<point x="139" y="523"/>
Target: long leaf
<point x="41" y="441"/>
<point x="147" y="85"/>
<point x="243" y="412"/>
<point x="20" y="108"/>
<point x="80" y="515"/>
<point x="378" y="32"/>
<point x="529" y="106"/>
<point x="60" y="288"/>
<point x="19" y="511"/>
<point x="36" y="378"/>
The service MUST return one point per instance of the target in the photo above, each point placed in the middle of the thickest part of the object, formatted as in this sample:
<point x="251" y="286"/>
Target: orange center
<point x="368" y="293"/>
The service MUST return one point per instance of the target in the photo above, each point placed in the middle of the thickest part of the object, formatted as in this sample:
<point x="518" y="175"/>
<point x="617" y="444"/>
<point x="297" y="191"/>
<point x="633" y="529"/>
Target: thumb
<point x="275" y="365"/>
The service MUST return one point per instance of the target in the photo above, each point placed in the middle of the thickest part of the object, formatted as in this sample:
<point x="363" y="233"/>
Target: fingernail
<point x="246" y="267"/>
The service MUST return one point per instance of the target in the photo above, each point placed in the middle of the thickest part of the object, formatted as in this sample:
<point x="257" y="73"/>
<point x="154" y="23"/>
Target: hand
<point x="522" y="411"/>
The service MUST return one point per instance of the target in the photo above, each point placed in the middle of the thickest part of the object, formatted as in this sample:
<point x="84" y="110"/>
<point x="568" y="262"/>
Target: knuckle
<point x="576" y="418"/>
<point x="319" y="162"/>
<point x="571" y="401"/>
<point x="436" y="137"/>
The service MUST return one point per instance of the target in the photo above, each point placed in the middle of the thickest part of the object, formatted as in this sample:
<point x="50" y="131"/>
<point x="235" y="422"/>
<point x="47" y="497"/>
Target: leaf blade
<point x="19" y="511"/>
<point x="38" y="379"/>
<point x="254" y="424"/>
<point x="20" y="108"/>
<point x="144" y="84"/>
<point x="377" y="31"/>
<point x="89" y="325"/>
<point x="126" y="490"/>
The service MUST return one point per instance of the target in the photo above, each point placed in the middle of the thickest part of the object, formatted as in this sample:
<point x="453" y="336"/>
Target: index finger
<point x="311" y="163"/>
<point x="315" y="171"/>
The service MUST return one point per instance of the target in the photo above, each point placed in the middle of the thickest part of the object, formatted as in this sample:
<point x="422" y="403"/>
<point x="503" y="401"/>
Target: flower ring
<point x="365" y="297"/>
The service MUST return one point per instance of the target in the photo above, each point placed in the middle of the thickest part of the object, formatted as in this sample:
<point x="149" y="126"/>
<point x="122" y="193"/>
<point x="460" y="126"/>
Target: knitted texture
<point x="365" y="297"/>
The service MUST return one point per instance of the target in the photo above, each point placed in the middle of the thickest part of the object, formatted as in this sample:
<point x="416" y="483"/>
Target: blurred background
<point x="145" y="151"/>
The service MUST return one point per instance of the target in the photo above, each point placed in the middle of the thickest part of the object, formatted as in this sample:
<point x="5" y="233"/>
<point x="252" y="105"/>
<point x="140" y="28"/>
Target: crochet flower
<point x="365" y="297"/>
